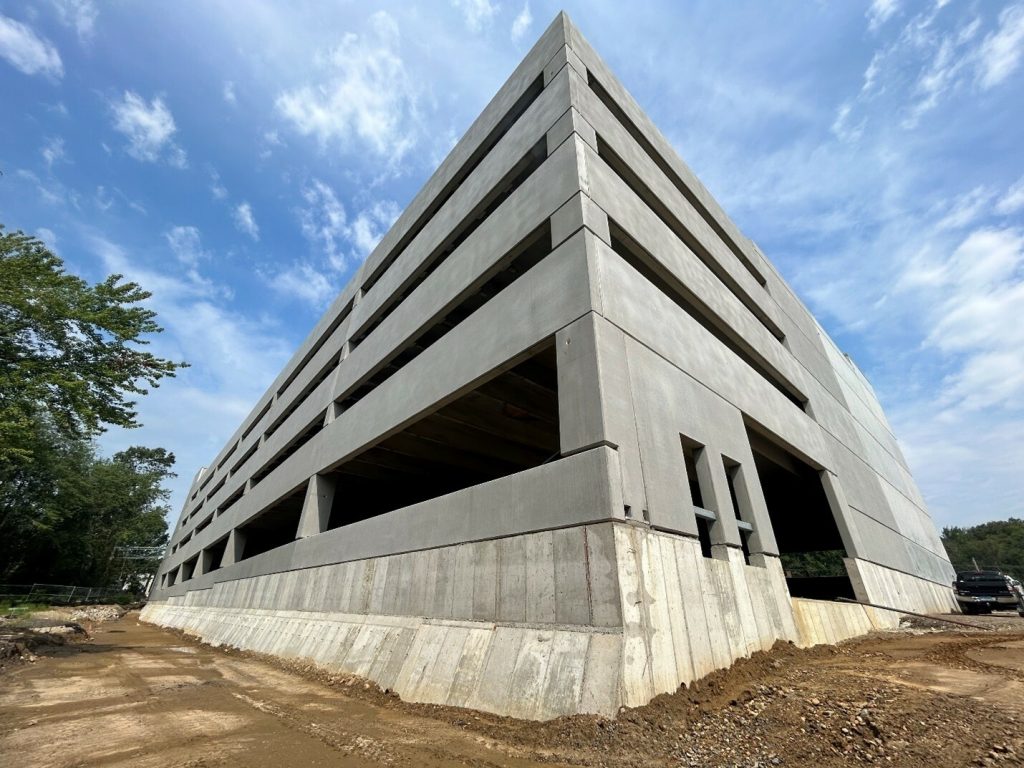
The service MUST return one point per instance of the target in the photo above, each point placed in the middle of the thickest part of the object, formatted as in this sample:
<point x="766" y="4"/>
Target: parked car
<point x="984" y="591"/>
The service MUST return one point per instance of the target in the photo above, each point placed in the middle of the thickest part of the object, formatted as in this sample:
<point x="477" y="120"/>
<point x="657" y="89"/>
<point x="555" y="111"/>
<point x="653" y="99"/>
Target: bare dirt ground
<point x="134" y="695"/>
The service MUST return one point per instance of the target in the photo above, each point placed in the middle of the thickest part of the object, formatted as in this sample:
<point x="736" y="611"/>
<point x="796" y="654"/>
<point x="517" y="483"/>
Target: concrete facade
<point x="563" y="443"/>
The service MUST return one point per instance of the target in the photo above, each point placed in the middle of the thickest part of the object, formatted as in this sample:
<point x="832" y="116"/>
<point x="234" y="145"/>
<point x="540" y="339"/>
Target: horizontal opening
<point x="222" y="462"/>
<point x="662" y="211"/>
<point x="172" y="576"/>
<point x="230" y="500"/>
<point x="245" y="457"/>
<point x="257" y="420"/>
<point x="300" y="440"/>
<point x="216" y="488"/>
<point x="274" y="527"/>
<point x="638" y="136"/>
<point x="317" y="346"/>
<point x="493" y="137"/>
<point x="520" y="259"/>
<point x="300" y="398"/>
<point x="512" y="180"/>
<point x="655" y="273"/>
<point x="506" y="425"/>
<point x="204" y="523"/>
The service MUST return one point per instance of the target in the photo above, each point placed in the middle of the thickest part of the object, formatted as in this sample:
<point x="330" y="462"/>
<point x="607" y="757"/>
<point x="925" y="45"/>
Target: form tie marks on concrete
<point x="566" y="441"/>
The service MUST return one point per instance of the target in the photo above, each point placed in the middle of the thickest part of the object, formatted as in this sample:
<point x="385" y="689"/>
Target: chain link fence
<point x="62" y="594"/>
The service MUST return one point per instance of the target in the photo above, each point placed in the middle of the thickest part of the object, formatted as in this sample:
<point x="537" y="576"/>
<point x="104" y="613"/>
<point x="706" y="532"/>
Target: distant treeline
<point x="998" y="544"/>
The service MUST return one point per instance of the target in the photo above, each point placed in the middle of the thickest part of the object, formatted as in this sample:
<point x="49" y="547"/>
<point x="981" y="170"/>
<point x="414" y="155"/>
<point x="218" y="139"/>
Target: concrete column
<point x="841" y="512"/>
<point x="753" y="509"/>
<point x="316" y="509"/>
<point x="715" y="487"/>
<point x="233" y="550"/>
<point x="577" y="213"/>
<point x="595" y="405"/>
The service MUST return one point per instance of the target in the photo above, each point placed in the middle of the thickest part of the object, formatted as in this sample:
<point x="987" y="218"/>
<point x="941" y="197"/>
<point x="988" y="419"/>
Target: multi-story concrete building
<point x="562" y="443"/>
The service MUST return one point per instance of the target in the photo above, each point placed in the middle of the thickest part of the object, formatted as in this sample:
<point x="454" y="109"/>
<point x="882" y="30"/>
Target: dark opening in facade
<point x="744" y="515"/>
<point x="276" y="526"/>
<point x="188" y="568"/>
<point x="213" y="555"/>
<point x="504" y="426"/>
<point x="693" y="453"/>
<point x="809" y="541"/>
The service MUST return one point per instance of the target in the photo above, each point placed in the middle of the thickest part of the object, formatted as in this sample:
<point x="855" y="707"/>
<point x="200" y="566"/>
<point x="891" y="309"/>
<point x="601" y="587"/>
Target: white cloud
<point x="80" y="15"/>
<point x="48" y="237"/>
<point x="1013" y="200"/>
<point x="149" y="129"/>
<point x="477" y="13"/>
<point x="53" y="151"/>
<point x="228" y="92"/>
<point x="522" y="22"/>
<point x="880" y="12"/>
<point x="325" y="225"/>
<point x="103" y="199"/>
<point x="1001" y="50"/>
<point x="217" y="189"/>
<point x="304" y="283"/>
<point x="51" y="193"/>
<point x="28" y="52"/>
<point x="186" y="245"/>
<point x="245" y="221"/>
<point x="370" y="225"/>
<point x="365" y="98"/>
<point x="841" y="127"/>
<point x="967" y="209"/>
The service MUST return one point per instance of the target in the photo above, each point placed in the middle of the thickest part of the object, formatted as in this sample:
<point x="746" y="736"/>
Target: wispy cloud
<point x="1001" y="51"/>
<point x="53" y="151"/>
<point x="80" y="15"/>
<point x="304" y="283"/>
<point x="521" y="23"/>
<point x="326" y="225"/>
<point x="186" y="244"/>
<point x="880" y="12"/>
<point x="365" y="97"/>
<point x="149" y="128"/>
<point x="1013" y="200"/>
<point x="26" y="51"/>
<point x="228" y="92"/>
<point x="477" y="14"/>
<point x="245" y="220"/>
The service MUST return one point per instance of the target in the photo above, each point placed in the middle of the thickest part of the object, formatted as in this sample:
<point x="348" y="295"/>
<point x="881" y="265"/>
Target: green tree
<point x="997" y="544"/>
<point x="70" y="365"/>
<point x="67" y="348"/>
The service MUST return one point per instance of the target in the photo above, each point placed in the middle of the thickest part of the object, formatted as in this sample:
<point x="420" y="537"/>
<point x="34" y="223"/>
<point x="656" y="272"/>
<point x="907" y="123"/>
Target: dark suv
<point x="983" y="591"/>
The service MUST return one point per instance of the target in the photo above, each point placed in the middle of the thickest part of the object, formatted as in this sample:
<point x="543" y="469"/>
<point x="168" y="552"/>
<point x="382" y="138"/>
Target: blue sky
<point x="239" y="159"/>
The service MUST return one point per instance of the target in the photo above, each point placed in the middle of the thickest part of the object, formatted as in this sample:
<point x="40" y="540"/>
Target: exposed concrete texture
<point x="561" y="443"/>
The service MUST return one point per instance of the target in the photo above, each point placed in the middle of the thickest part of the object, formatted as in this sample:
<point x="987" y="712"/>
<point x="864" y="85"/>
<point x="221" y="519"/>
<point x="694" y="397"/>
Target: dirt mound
<point x="94" y="613"/>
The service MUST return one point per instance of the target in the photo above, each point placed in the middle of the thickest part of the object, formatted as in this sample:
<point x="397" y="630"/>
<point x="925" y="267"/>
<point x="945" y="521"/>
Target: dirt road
<point x="137" y="696"/>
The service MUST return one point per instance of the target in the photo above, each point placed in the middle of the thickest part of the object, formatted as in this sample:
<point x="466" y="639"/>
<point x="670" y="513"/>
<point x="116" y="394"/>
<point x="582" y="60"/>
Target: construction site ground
<point x="130" y="694"/>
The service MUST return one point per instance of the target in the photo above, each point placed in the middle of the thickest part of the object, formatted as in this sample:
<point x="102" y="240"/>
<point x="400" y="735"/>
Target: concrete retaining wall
<point x="820" y="622"/>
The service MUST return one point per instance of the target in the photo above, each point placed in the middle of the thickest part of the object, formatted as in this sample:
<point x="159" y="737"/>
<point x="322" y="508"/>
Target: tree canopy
<point x="70" y="366"/>
<point x="998" y="544"/>
<point x="67" y="348"/>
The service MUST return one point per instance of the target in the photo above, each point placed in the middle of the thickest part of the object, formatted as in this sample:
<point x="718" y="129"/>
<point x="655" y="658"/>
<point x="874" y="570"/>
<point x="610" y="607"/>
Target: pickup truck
<point x="983" y="591"/>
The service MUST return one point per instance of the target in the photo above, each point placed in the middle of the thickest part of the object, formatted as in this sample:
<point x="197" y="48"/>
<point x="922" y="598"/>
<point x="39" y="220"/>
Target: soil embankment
<point x="135" y="695"/>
